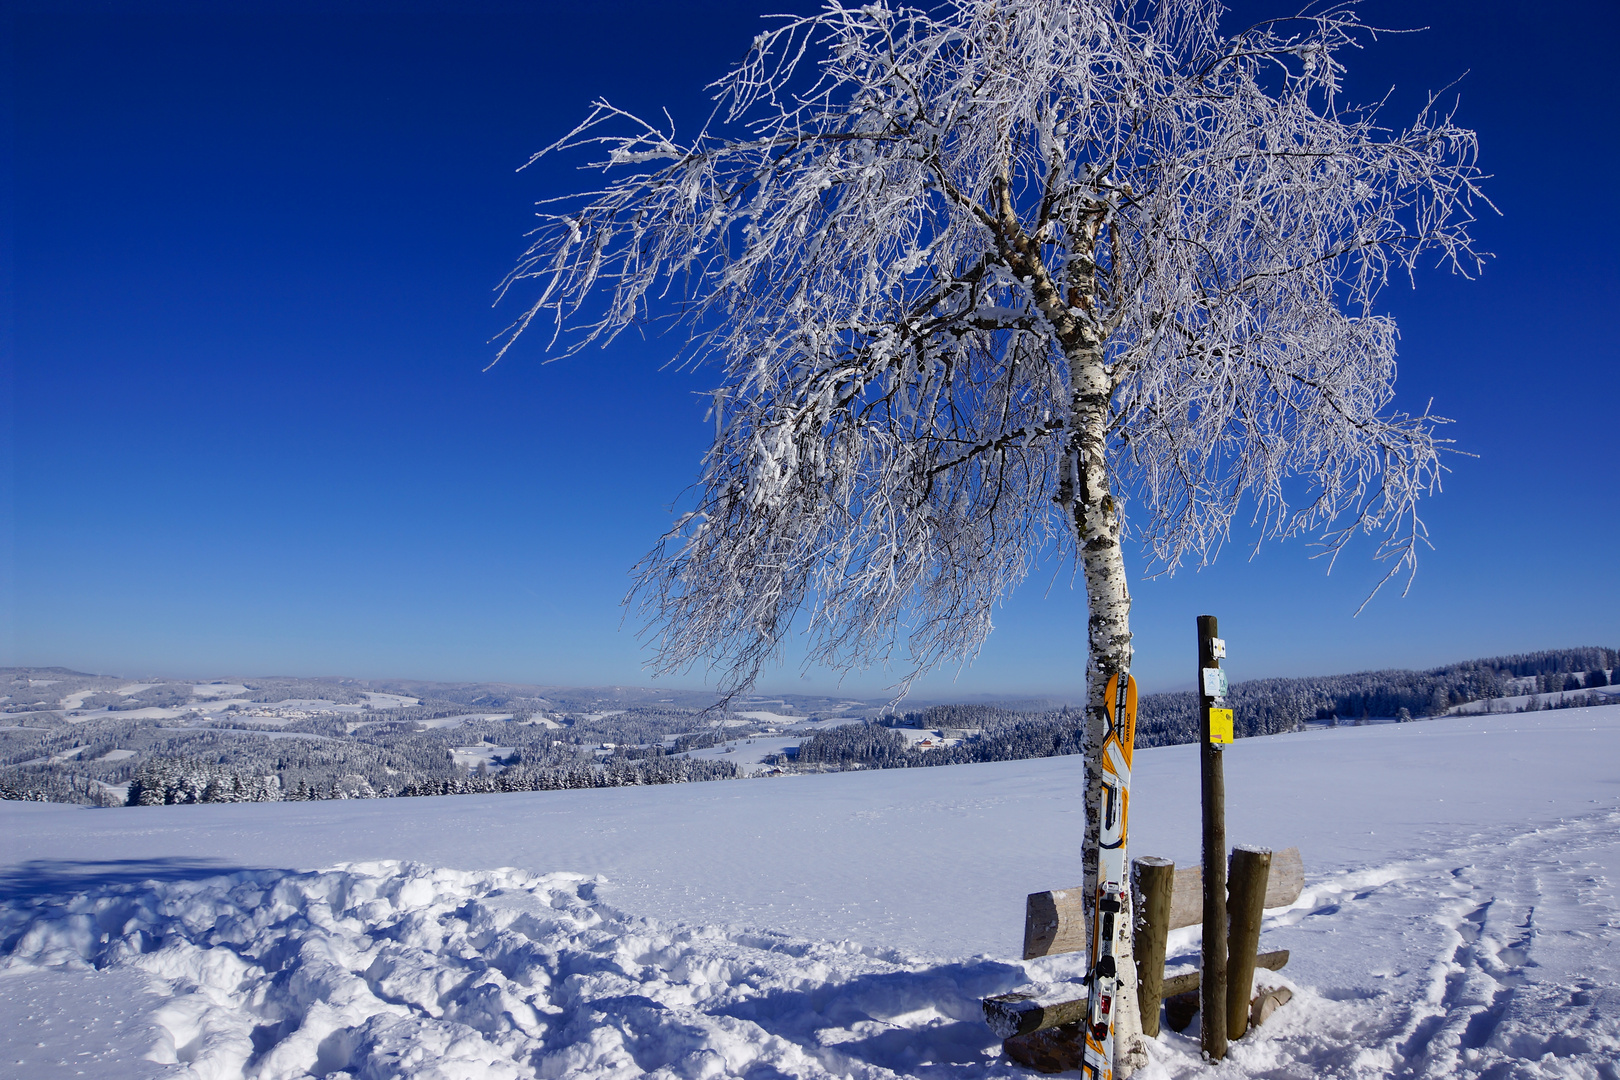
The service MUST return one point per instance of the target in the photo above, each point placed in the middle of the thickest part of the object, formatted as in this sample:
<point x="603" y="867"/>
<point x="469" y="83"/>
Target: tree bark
<point x="1108" y="598"/>
<point x="1084" y="491"/>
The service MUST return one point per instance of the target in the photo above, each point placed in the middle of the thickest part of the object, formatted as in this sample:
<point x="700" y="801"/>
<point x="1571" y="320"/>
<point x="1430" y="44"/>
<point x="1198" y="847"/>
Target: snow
<point x="150" y="712"/>
<point x="87" y="1022"/>
<point x="1515" y="702"/>
<point x="75" y="700"/>
<point x="766" y="717"/>
<point x="749" y="754"/>
<point x="379" y="700"/>
<point x="463" y="718"/>
<point x="934" y="737"/>
<point x="308" y="705"/>
<point x="470" y="757"/>
<point x="406" y="970"/>
<point x="117" y="792"/>
<point x="218" y="690"/>
<point x="1460" y="918"/>
<point x="214" y="700"/>
<point x="65" y="755"/>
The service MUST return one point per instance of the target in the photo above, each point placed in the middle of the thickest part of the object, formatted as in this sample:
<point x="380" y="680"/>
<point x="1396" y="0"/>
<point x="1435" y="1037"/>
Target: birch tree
<point x="999" y="281"/>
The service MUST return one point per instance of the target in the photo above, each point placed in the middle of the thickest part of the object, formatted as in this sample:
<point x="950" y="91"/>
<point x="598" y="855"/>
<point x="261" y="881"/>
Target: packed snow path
<point x="1484" y="944"/>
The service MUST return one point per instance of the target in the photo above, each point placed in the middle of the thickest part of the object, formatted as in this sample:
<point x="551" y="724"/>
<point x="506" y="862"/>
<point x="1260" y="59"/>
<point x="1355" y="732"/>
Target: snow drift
<point x="387" y="970"/>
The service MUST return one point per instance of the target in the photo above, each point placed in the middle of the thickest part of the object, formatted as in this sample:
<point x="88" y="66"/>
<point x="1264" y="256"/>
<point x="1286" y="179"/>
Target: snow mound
<point x="385" y="970"/>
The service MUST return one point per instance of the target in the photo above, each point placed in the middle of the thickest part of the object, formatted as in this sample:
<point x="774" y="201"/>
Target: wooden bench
<point x="1055" y="923"/>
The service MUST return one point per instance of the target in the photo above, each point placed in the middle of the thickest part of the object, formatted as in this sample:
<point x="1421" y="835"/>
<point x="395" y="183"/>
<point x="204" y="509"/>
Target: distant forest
<point x="391" y="752"/>
<point x="1260" y="707"/>
<point x="400" y="752"/>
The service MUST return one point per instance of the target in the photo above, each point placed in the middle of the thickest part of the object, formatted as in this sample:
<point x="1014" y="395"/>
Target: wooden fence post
<point x="1155" y="881"/>
<point x="1212" y="781"/>
<point x="1251" y="867"/>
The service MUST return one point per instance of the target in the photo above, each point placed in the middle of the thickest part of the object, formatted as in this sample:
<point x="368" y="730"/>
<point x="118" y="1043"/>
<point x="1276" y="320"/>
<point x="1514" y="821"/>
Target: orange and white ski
<point x="1111" y="903"/>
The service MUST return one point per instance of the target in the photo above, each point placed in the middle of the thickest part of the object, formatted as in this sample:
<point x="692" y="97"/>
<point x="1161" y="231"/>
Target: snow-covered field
<point x="465" y="718"/>
<point x="1460" y="919"/>
<point x="749" y="754"/>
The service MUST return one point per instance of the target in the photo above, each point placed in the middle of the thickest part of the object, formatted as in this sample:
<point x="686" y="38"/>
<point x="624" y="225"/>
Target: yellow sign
<point x="1220" y="725"/>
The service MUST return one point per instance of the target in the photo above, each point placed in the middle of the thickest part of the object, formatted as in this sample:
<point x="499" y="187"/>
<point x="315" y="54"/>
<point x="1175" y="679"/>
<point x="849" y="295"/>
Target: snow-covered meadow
<point x="1460" y="918"/>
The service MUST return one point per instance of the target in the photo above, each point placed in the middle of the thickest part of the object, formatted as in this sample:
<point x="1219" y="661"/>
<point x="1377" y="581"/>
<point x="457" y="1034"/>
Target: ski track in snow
<point x="1498" y="960"/>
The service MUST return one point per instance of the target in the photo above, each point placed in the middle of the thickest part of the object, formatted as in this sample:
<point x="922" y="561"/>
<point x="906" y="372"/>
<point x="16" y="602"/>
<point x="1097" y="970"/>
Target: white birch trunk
<point x="1108" y="598"/>
<point x="1084" y="489"/>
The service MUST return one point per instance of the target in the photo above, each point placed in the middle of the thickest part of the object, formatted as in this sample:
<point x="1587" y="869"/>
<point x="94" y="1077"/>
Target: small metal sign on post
<point x="1215" y="731"/>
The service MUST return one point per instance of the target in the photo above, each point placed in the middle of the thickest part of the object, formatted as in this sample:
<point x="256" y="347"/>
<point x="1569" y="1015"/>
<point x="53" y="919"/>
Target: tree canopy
<point x="997" y="279"/>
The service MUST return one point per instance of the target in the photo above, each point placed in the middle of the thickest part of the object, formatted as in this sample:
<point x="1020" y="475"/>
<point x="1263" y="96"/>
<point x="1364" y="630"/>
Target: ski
<point x="1111" y="901"/>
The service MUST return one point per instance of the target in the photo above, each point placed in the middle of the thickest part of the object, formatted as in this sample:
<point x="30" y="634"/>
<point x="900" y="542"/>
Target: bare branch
<point x="920" y="244"/>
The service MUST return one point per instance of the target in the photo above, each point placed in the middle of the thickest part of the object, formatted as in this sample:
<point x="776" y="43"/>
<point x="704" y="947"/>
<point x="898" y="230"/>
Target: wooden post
<point x="1212" y="782"/>
<point x="1251" y="867"/>
<point x="1155" y="881"/>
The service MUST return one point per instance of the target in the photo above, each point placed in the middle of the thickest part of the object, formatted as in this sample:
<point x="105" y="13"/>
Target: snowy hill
<point x="1460" y="918"/>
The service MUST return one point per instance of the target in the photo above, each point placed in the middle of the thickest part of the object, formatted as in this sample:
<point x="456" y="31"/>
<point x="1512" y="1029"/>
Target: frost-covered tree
<point x="1003" y="279"/>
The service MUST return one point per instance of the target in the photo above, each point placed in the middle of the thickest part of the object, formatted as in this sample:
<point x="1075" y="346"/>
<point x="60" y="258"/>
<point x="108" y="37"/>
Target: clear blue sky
<point x="249" y="253"/>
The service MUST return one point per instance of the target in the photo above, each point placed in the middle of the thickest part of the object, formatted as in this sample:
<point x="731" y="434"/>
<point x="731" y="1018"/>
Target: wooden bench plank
<point x="1011" y="1015"/>
<point x="1054" y="923"/>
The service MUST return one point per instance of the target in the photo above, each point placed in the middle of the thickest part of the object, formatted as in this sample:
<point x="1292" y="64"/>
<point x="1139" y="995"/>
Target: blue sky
<point x="249" y="255"/>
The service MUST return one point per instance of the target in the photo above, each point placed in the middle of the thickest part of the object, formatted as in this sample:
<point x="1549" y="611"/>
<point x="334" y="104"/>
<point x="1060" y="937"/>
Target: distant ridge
<point x="67" y="736"/>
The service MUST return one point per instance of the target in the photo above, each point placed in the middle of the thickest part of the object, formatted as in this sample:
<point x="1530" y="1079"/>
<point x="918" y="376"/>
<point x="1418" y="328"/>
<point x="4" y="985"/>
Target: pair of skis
<point x="1111" y="903"/>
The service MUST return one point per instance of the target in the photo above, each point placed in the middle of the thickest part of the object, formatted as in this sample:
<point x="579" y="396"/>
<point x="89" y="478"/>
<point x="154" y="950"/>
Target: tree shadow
<point x="38" y="879"/>
<point x="916" y="1023"/>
